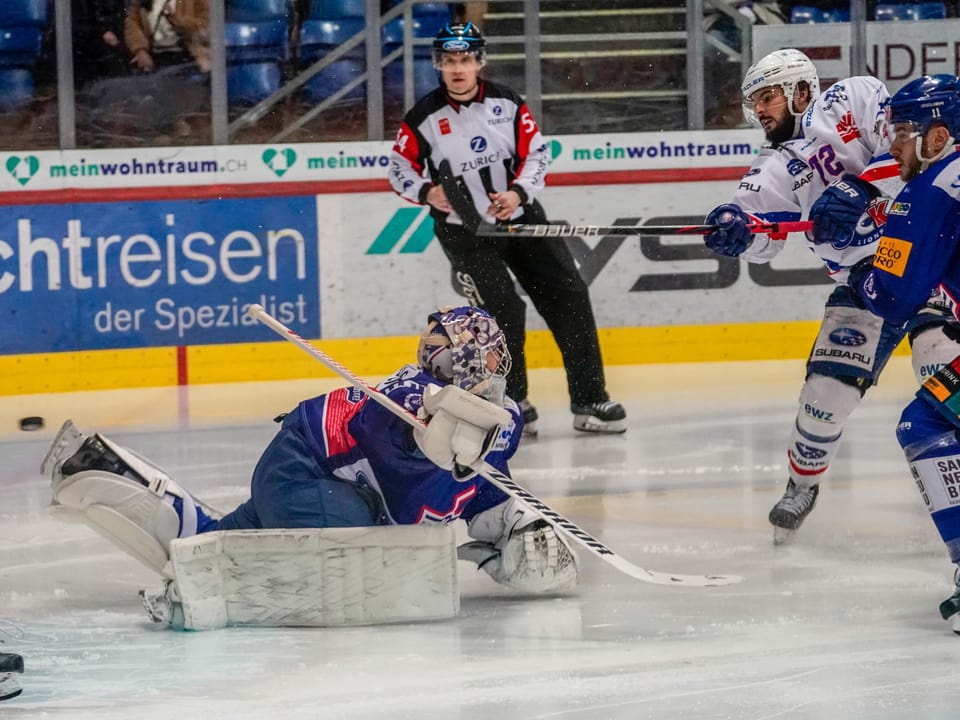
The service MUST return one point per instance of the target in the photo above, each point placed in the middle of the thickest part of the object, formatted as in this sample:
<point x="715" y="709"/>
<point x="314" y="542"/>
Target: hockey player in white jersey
<point x="828" y="148"/>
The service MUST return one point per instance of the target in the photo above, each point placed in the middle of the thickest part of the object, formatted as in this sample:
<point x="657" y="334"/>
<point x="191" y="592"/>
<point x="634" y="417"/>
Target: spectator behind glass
<point x="167" y="32"/>
<point x="98" y="51"/>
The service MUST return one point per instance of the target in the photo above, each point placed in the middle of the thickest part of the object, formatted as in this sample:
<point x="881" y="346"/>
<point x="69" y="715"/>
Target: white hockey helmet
<point x="781" y="68"/>
<point x="464" y="346"/>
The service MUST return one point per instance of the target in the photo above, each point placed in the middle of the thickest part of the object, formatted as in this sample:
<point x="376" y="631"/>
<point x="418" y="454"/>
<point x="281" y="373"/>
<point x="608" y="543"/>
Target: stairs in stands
<point x="605" y="66"/>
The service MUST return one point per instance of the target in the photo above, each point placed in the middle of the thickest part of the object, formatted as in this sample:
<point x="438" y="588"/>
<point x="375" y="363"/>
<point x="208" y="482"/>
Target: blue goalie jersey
<point x="359" y="440"/>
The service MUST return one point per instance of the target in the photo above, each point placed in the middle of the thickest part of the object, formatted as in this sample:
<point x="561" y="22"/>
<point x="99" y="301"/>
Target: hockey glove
<point x="837" y="211"/>
<point x="732" y="236"/>
<point x="461" y="429"/>
<point x="520" y="550"/>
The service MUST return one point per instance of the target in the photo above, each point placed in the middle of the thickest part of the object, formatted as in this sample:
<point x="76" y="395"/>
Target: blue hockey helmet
<point x="459" y="38"/>
<point x="927" y="101"/>
<point x="464" y="346"/>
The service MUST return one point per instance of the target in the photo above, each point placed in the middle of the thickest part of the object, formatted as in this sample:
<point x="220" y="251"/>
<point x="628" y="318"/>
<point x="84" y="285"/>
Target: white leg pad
<point x="131" y="516"/>
<point x="317" y="577"/>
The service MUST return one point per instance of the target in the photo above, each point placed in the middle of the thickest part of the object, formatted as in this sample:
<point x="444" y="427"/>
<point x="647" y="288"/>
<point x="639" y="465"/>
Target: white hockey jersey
<point x="843" y="131"/>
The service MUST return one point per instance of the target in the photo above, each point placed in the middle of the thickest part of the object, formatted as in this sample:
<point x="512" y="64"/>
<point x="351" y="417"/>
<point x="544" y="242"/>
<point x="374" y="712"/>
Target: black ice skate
<point x="791" y="510"/>
<point x="599" y="417"/>
<point x="10" y="667"/>
<point x="950" y="608"/>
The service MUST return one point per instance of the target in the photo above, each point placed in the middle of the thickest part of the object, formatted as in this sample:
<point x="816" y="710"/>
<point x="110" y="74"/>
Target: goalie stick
<point x="497" y="478"/>
<point x="462" y="204"/>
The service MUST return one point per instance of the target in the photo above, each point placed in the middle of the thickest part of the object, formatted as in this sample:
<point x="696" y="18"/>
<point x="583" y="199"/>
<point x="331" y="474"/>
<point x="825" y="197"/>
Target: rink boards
<point x="140" y="279"/>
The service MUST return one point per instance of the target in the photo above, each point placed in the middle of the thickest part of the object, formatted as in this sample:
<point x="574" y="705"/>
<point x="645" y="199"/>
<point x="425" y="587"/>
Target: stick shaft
<point x="258" y="313"/>
<point x="549" y="230"/>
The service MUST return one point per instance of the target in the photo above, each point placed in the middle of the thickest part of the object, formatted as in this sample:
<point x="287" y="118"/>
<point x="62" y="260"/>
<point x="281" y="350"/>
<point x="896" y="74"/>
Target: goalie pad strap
<point x="322" y="577"/>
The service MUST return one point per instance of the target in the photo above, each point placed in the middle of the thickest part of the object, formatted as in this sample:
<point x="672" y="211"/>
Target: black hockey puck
<point x="34" y="422"/>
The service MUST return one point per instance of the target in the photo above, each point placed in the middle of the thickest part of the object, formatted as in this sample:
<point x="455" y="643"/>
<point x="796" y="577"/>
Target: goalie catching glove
<point x="461" y="429"/>
<point x="519" y="549"/>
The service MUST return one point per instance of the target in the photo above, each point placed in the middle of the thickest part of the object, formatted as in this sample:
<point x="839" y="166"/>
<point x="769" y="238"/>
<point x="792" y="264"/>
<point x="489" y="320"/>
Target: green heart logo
<point x="279" y="161"/>
<point x="555" y="149"/>
<point x="23" y="168"/>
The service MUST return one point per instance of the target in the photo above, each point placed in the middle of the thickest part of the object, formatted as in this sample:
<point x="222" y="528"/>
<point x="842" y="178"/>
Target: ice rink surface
<point x="840" y="624"/>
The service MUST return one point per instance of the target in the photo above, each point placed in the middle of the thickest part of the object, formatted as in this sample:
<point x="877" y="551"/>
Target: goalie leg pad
<point x="135" y="518"/>
<point x="314" y="578"/>
<point x="122" y="496"/>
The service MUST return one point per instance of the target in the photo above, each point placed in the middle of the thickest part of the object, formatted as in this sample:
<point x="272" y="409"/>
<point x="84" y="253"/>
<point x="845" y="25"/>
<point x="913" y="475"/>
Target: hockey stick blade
<point x="587" y="541"/>
<point x="494" y="476"/>
<point x="550" y="230"/>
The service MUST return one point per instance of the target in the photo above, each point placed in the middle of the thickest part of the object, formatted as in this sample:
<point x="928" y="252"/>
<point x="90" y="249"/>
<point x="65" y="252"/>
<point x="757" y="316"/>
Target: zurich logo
<point x="456" y="45"/>
<point x="497" y="110"/>
<point x="847" y="336"/>
<point x="809" y="453"/>
<point x="478" y="144"/>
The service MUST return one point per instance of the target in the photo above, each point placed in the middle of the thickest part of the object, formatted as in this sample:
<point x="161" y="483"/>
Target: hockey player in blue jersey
<point x="342" y="460"/>
<point x="919" y="251"/>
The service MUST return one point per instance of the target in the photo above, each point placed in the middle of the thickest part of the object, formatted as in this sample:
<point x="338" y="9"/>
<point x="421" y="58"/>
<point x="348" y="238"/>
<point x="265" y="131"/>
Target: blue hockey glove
<point x="732" y="237"/>
<point x="837" y="211"/>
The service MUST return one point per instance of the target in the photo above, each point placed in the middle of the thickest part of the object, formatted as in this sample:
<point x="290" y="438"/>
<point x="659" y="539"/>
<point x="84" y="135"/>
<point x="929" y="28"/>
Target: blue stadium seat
<point x="255" y="51"/>
<point x="837" y="14"/>
<point x="889" y="12"/>
<point x="19" y="46"/>
<point x="317" y="39"/>
<point x="332" y="9"/>
<point x="256" y="10"/>
<point x="247" y="42"/>
<point x="803" y="14"/>
<point x="393" y="36"/>
<point x="16" y="87"/>
<point x="424" y="74"/>
<point x="435" y="11"/>
<point x="932" y="10"/>
<point x="250" y="82"/>
<point x="23" y="12"/>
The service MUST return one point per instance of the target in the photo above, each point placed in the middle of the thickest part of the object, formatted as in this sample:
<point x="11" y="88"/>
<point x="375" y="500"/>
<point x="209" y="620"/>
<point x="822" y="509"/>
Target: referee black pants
<point x="545" y="269"/>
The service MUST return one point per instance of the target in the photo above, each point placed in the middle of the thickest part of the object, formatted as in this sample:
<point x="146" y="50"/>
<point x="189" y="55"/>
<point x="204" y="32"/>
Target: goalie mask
<point x="465" y="347"/>
<point x="785" y="69"/>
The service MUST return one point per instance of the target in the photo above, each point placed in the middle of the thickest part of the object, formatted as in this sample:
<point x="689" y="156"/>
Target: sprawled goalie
<point x="348" y="519"/>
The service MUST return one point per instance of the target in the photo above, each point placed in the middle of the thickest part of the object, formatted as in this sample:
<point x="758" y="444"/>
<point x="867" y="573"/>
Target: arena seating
<point x="21" y="32"/>
<point x="884" y="12"/>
